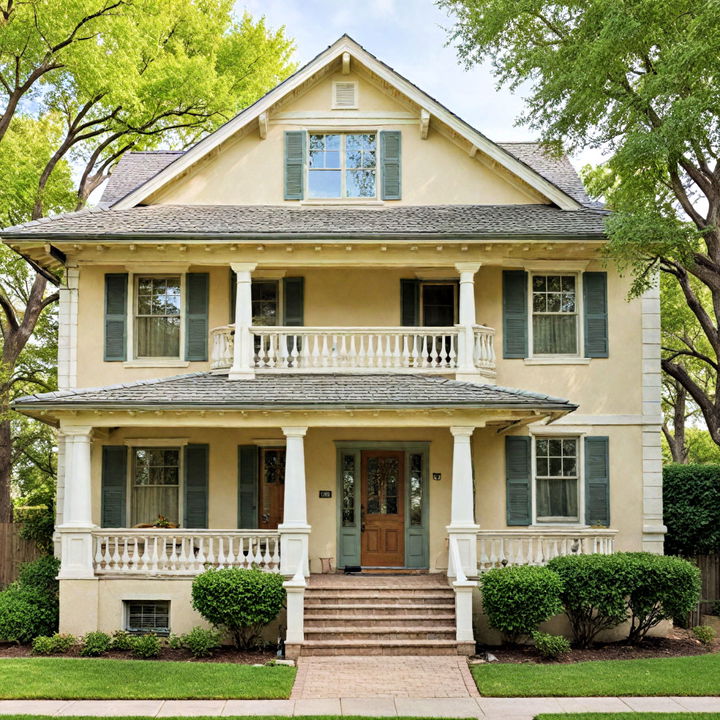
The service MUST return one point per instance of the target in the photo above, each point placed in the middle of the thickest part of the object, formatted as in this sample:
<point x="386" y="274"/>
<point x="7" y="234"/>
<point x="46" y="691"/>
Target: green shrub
<point x="201" y="642"/>
<point x="121" y="640"/>
<point x="691" y="509"/>
<point x="664" y="587"/>
<point x="705" y="634"/>
<point x="595" y="592"/>
<point x="38" y="521"/>
<point x="175" y="642"/>
<point x="24" y="615"/>
<point x="551" y="647"/>
<point x="41" y="576"/>
<point x="146" y="646"/>
<point x="95" y="644"/>
<point x="517" y="599"/>
<point x="242" y="601"/>
<point x="53" y="645"/>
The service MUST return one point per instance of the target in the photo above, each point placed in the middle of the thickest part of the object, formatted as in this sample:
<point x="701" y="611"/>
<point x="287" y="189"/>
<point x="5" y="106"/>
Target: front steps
<point x="387" y="615"/>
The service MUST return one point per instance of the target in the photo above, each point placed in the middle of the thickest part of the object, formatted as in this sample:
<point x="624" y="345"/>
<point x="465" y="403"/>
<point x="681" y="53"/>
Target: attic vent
<point x="345" y="95"/>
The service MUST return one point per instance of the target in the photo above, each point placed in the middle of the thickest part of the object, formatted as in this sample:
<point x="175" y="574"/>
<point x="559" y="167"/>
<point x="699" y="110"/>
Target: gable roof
<point x="346" y="44"/>
<point x="133" y="170"/>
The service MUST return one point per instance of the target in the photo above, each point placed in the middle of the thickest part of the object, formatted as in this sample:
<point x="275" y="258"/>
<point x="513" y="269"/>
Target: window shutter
<point x="114" y="486"/>
<point x="294" y="164"/>
<point x="409" y="302"/>
<point x="116" y="289"/>
<point x="247" y="487"/>
<point x="597" y="481"/>
<point x="233" y="294"/>
<point x="596" y="316"/>
<point x="517" y="476"/>
<point x="515" y="314"/>
<point x="196" y="318"/>
<point x="196" y="486"/>
<point x="294" y="300"/>
<point x="390" y="147"/>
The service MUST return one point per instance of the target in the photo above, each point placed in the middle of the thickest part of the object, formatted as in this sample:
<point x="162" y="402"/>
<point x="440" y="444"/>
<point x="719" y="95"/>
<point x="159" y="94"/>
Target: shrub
<point x="121" y="640"/>
<point x="705" y="634"/>
<point x="52" y="645"/>
<point x="175" y="642"/>
<point x="595" y="592"/>
<point x="517" y="599"/>
<point x="201" y="642"/>
<point x="22" y="617"/>
<point x="691" y="509"/>
<point x="664" y="587"/>
<point x="146" y="646"/>
<point x="95" y="644"/>
<point x="41" y="576"/>
<point x="38" y="521"/>
<point x="551" y="647"/>
<point x="242" y="601"/>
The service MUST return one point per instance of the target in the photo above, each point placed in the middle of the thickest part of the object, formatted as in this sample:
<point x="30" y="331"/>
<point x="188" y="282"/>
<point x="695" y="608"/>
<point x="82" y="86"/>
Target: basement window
<point x="147" y="616"/>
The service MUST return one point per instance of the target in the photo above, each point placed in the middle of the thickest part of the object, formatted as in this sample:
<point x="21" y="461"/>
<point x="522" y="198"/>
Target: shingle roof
<point x="209" y="390"/>
<point x="172" y="221"/>
<point x="134" y="169"/>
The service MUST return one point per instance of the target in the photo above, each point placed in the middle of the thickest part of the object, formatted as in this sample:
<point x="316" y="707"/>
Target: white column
<point x="466" y="326"/>
<point x="462" y="507"/>
<point x="294" y="529"/>
<point x="243" y="366"/>
<point x="76" y="551"/>
<point x="67" y="329"/>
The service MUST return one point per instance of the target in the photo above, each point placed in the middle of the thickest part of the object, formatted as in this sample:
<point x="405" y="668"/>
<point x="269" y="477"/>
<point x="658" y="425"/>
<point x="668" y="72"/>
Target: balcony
<point x="368" y="349"/>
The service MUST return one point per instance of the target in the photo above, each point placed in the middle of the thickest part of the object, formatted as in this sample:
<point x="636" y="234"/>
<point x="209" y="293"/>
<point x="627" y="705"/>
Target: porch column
<point x="462" y="529"/>
<point x="466" y="327"/>
<point x="76" y="551"/>
<point x="294" y="530"/>
<point x="243" y="350"/>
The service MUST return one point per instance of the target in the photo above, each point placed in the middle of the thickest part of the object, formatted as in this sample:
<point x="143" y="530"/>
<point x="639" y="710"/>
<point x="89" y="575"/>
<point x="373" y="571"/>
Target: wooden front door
<point x="272" y="488"/>
<point x="382" y="508"/>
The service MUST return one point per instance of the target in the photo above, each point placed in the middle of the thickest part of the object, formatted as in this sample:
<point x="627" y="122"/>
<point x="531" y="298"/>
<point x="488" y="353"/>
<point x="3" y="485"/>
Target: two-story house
<point x="344" y="331"/>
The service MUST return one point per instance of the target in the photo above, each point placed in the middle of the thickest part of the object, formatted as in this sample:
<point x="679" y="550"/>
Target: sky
<point x="411" y="37"/>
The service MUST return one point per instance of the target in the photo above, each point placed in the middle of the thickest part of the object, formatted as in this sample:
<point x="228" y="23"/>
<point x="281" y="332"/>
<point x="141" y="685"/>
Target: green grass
<point x="631" y="716"/>
<point x="76" y="679"/>
<point x="697" y="675"/>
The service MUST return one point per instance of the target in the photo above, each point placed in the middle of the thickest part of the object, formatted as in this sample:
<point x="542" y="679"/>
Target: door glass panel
<point x="348" y="490"/>
<point x="416" y="489"/>
<point x="382" y="484"/>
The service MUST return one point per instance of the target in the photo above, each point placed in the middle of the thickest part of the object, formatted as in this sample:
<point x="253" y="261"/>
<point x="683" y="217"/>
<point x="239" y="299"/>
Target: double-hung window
<point x="557" y="479"/>
<point x="265" y="302"/>
<point x="342" y="165"/>
<point x="555" y="317"/>
<point x="158" y="316"/>
<point x="155" y="486"/>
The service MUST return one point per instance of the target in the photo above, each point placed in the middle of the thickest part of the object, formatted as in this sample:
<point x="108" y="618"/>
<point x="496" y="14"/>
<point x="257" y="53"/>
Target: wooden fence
<point x="13" y="552"/>
<point x="710" y="595"/>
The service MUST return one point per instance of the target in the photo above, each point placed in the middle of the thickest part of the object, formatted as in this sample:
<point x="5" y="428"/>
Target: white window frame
<point x="559" y="522"/>
<point x="343" y="198"/>
<point x="579" y="314"/>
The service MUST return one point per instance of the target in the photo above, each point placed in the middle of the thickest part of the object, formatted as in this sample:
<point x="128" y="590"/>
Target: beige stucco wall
<point x="435" y="171"/>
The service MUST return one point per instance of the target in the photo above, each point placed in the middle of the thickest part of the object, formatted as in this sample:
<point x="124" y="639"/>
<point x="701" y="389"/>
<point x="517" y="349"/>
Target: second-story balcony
<point x="439" y="350"/>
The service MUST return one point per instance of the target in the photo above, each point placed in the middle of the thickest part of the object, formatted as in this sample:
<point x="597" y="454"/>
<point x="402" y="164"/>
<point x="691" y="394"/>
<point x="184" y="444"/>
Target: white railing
<point x="183" y="552"/>
<point x="385" y="349"/>
<point x="537" y="546"/>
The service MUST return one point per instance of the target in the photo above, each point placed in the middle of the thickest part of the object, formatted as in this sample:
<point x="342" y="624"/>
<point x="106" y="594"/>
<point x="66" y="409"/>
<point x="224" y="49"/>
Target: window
<point x="416" y="489"/>
<point x="265" y="302"/>
<point x="554" y="315"/>
<point x="439" y="304"/>
<point x="556" y="479"/>
<point x="155" y="485"/>
<point x="342" y="166"/>
<point x="147" y="616"/>
<point x="348" y="490"/>
<point x="157" y="316"/>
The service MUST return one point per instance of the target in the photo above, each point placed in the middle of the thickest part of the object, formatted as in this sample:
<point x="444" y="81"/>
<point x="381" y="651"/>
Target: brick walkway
<point x="383" y="677"/>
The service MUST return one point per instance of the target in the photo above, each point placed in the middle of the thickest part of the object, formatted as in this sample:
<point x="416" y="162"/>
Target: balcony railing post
<point x="466" y="369"/>
<point x="243" y="366"/>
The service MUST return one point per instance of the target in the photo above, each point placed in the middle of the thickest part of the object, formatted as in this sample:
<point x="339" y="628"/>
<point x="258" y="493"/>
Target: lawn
<point x="696" y="675"/>
<point x="75" y="679"/>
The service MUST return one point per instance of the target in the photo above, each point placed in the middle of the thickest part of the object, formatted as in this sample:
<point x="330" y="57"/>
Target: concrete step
<point x="387" y="633"/>
<point x="378" y="609"/>
<point x="380" y="647"/>
<point x="362" y="597"/>
<point x="365" y="620"/>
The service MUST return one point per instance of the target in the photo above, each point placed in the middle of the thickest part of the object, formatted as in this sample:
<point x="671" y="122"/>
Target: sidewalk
<point x="485" y="708"/>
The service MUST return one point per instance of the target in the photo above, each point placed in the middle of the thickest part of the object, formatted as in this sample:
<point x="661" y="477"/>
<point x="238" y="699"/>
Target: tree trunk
<point x="676" y="438"/>
<point x="6" y="507"/>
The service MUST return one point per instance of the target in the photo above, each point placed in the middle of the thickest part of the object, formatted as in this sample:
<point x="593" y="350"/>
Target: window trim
<point x="137" y="600"/>
<point x="343" y="198"/>
<point x="579" y="315"/>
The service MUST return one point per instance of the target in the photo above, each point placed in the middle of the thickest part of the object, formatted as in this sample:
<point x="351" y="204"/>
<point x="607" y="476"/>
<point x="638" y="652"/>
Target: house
<point x="345" y="330"/>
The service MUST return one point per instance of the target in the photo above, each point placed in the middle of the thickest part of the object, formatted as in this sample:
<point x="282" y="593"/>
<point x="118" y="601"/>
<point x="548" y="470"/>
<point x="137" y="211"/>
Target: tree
<point x="639" y="80"/>
<point x="81" y="83"/>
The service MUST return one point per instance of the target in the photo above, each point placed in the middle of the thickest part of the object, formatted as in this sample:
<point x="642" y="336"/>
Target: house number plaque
<point x="325" y="493"/>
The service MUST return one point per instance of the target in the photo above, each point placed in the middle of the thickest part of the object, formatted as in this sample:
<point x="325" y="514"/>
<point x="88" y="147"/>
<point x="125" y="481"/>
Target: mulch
<point x="679" y="643"/>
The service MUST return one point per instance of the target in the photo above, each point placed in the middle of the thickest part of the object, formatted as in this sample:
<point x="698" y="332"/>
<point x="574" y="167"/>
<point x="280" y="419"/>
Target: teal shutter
<point x="197" y="287"/>
<point x="233" y="294"/>
<point x="409" y="302"/>
<point x="597" y="481"/>
<point x="596" y="315"/>
<point x="114" y="486"/>
<point x="196" y="486"/>
<point x="294" y="300"/>
<point x="116" y="289"/>
<point x="247" y="487"/>
<point x="515" y="314"/>
<point x="517" y="476"/>
<point x="390" y="151"/>
<point x="294" y="164"/>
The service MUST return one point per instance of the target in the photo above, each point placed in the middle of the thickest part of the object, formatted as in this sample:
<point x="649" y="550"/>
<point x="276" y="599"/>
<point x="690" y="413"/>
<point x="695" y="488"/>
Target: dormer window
<point x="342" y="165"/>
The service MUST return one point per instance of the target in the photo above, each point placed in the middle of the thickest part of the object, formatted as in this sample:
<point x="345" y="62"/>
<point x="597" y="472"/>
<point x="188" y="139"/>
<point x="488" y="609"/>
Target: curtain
<point x="557" y="497"/>
<point x="149" y="501"/>
<point x="554" y="334"/>
<point x="158" y="336"/>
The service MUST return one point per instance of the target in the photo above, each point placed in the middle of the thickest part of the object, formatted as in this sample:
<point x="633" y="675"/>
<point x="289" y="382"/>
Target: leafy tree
<point x="638" y="80"/>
